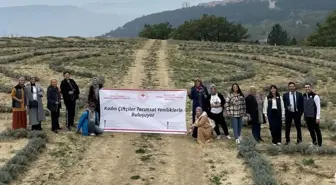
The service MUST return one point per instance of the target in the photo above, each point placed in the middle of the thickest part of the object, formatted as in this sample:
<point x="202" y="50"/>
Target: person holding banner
<point x="198" y="94"/>
<point x="203" y="125"/>
<point x="89" y="122"/>
<point x="216" y="106"/>
<point x="94" y="93"/>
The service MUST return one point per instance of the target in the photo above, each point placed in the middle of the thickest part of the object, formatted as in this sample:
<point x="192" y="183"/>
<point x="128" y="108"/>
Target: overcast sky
<point x="4" y="3"/>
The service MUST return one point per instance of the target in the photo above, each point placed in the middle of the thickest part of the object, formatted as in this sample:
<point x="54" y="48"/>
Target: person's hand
<point x="188" y="91"/>
<point x="317" y="121"/>
<point x="57" y="103"/>
<point x="71" y="92"/>
<point x="20" y="100"/>
<point x="248" y="116"/>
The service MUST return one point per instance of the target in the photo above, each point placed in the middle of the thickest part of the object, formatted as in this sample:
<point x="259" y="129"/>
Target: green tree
<point x="277" y="36"/>
<point x="157" y="31"/>
<point x="210" y="28"/>
<point x="325" y="34"/>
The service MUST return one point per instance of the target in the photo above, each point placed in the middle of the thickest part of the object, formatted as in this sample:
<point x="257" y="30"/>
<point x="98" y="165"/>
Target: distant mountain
<point x="43" y="20"/>
<point x="298" y="17"/>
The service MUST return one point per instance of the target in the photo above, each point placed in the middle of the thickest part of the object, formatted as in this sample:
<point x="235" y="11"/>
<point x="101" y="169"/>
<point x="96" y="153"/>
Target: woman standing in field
<point x="54" y="104"/>
<point x="198" y="94"/>
<point x="203" y="124"/>
<point x="254" y="110"/>
<point x="216" y="102"/>
<point x="274" y="111"/>
<point x="34" y="94"/>
<point x="94" y="94"/>
<point x="19" y="105"/>
<point x="236" y="109"/>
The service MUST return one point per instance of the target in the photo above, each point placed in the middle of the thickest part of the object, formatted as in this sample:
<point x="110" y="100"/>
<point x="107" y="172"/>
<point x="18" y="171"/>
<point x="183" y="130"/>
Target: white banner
<point x="145" y="111"/>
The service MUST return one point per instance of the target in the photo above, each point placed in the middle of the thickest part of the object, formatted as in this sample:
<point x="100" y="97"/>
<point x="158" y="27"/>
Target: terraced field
<point x="116" y="158"/>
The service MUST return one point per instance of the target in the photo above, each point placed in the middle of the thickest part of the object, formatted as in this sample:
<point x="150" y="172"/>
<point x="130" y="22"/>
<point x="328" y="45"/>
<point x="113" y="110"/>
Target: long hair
<point x="239" y="90"/>
<point x="270" y="95"/>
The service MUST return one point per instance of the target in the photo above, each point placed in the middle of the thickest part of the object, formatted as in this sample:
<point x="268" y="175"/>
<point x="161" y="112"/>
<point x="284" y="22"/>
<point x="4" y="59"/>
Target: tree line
<point x="219" y="29"/>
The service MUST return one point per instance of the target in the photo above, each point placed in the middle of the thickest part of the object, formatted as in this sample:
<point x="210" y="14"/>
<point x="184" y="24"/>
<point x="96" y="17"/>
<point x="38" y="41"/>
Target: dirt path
<point x="183" y="157"/>
<point x="109" y="157"/>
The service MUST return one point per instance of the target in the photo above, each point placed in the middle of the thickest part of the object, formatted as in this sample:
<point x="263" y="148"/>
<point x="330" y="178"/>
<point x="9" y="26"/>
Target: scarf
<point x="260" y="107"/>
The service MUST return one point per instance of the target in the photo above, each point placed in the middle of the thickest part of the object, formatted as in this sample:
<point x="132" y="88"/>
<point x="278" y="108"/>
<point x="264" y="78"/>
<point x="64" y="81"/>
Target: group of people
<point x="274" y="110"/>
<point x="27" y="99"/>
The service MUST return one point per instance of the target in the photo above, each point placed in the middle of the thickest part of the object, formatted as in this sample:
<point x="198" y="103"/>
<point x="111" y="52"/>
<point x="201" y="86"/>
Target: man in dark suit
<point x="293" y="102"/>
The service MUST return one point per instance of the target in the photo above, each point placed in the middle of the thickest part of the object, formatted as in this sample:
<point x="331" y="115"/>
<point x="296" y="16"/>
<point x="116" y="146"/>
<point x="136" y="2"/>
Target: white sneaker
<point x="237" y="141"/>
<point x="228" y="137"/>
<point x="279" y="144"/>
<point x="218" y="137"/>
<point x="240" y="138"/>
<point x="273" y="144"/>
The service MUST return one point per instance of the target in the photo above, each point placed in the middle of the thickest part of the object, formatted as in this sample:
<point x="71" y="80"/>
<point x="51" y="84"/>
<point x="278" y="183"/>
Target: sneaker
<point x="92" y="134"/>
<point x="279" y="144"/>
<point x="237" y="141"/>
<point x="273" y="144"/>
<point x="240" y="138"/>
<point x="228" y="137"/>
<point x="218" y="137"/>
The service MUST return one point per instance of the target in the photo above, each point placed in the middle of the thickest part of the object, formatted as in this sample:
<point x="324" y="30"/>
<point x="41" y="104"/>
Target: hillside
<point x="298" y="17"/>
<point x="42" y="20"/>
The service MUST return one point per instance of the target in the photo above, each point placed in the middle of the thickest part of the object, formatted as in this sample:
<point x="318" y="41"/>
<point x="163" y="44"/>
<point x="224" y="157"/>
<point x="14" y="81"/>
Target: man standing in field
<point x="312" y="112"/>
<point x="70" y="92"/>
<point x="293" y="102"/>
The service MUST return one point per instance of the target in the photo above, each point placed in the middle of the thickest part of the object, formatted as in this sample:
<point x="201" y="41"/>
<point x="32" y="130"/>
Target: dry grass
<point x="156" y="159"/>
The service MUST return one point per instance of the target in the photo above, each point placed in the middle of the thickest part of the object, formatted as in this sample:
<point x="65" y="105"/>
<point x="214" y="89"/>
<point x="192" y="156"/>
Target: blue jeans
<point x="237" y="123"/>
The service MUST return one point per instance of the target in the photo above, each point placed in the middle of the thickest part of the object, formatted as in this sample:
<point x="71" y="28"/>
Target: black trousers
<point x="70" y="112"/>
<point x="219" y="121"/>
<point x="296" y="116"/>
<point x="314" y="130"/>
<point x="37" y="127"/>
<point x="255" y="126"/>
<point x="55" y="120"/>
<point x="275" y="123"/>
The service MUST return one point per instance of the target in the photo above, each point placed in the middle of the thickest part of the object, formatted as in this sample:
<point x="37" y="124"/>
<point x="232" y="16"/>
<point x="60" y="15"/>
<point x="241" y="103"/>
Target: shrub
<point x="19" y="163"/>
<point x="262" y="173"/>
<point x="13" y="134"/>
<point x="305" y="149"/>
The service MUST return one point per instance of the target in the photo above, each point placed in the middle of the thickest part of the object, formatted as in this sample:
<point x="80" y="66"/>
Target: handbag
<point x="33" y="104"/>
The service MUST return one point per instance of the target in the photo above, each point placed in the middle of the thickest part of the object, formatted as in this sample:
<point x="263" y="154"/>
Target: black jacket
<point x="208" y="104"/>
<point x="299" y="101"/>
<point x="65" y="88"/>
<point x="53" y="96"/>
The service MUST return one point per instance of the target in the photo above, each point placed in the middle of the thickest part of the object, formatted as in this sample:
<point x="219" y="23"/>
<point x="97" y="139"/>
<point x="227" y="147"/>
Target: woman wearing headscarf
<point x="216" y="102"/>
<point x="94" y="93"/>
<point x="54" y="104"/>
<point x="254" y="110"/>
<point x="274" y="112"/>
<point x="19" y="105"/>
<point x="89" y="122"/>
<point x="236" y="109"/>
<point x="198" y="94"/>
<point x="203" y="124"/>
<point x="34" y="94"/>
